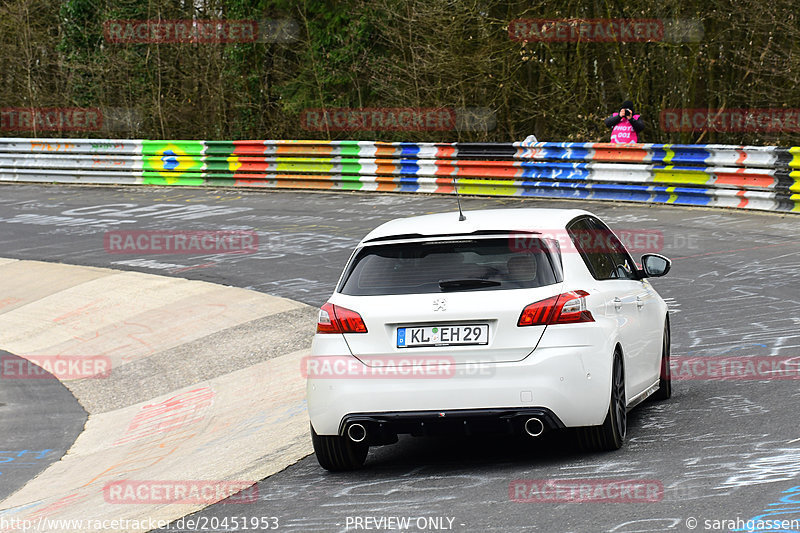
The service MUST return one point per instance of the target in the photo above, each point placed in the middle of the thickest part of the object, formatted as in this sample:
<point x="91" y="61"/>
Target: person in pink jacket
<point x="625" y="125"/>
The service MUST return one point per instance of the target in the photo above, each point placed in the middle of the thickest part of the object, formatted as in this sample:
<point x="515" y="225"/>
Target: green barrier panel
<point x="172" y="178"/>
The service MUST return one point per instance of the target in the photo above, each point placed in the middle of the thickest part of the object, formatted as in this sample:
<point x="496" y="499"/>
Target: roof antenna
<point x="461" y="216"/>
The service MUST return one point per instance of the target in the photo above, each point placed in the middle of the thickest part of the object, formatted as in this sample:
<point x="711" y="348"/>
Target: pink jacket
<point x="623" y="132"/>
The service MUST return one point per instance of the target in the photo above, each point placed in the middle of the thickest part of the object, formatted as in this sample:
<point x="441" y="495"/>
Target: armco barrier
<point x="750" y="177"/>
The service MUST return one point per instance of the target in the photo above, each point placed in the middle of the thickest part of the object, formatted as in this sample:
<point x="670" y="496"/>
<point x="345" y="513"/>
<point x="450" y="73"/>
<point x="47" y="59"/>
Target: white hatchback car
<point x="515" y="320"/>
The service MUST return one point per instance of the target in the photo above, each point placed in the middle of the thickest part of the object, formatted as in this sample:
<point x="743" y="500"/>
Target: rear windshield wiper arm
<point x="456" y="284"/>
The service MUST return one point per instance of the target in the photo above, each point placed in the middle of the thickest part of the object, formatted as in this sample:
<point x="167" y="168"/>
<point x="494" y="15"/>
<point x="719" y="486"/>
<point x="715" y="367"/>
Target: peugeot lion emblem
<point x="440" y="304"/>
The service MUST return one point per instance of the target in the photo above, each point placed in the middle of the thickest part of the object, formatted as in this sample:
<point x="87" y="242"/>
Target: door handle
<point x="617" y="304"/>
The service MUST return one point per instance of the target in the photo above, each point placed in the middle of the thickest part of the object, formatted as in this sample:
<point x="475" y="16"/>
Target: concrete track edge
<point x="205" y="389"/>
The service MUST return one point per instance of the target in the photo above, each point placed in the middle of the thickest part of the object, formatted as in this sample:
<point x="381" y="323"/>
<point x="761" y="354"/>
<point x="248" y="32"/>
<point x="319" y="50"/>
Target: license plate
<point x="462" y="335"/>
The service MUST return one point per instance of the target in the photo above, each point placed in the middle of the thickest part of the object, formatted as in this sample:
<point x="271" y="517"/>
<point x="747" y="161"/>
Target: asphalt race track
<point x="720" y="449"/>
<point x="39" y="421"/>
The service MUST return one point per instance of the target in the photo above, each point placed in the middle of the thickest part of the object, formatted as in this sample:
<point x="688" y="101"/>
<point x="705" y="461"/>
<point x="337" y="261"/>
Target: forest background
<point x="429" y="54"/>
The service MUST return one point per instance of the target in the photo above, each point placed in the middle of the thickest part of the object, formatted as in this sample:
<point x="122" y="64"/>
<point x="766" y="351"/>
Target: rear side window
<point x="443" y="266"/>
<point x="603" y="253"/>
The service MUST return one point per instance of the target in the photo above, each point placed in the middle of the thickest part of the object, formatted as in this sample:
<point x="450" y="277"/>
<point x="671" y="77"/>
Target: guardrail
<point x="748" y="177"/>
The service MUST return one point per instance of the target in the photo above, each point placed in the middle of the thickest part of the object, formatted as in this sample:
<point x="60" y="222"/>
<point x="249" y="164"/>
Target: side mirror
<point x="655" y="265"/>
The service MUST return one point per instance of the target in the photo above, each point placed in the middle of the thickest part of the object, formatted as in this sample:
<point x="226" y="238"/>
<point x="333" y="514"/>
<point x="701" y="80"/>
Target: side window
<point x="585" y="238"/>
<point x="624" y="267"/>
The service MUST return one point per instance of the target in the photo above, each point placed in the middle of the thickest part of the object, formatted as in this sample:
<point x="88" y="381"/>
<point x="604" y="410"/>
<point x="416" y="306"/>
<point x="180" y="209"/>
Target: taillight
<point x="573" y="308"/>
<point x="539" y="313"/>
<point x="338" y="319"/>
<point x="326" y="323"/>
<point x="566" y="308"/>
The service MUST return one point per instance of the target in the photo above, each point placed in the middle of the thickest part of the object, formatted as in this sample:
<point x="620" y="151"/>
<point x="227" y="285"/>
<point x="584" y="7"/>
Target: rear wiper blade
<point x="455" y="284"/>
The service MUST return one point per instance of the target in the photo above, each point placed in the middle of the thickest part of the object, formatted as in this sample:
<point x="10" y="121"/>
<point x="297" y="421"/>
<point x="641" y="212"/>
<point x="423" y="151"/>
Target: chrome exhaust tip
<point x="356" y="432"/>
<point x="534" y="427"/>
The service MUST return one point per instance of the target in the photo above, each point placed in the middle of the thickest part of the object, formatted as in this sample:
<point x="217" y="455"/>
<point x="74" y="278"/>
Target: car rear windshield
<point x="451" y="265"/>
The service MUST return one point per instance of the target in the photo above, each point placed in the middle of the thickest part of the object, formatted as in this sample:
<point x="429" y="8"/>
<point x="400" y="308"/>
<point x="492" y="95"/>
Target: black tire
<point x="610" y="435"/>
<point x="664" y="391"/>
<point x="338" y="454"/>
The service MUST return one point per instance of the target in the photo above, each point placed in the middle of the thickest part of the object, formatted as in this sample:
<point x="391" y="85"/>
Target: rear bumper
<point x="382" y="428"/>
<point x="566" y="383"/>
